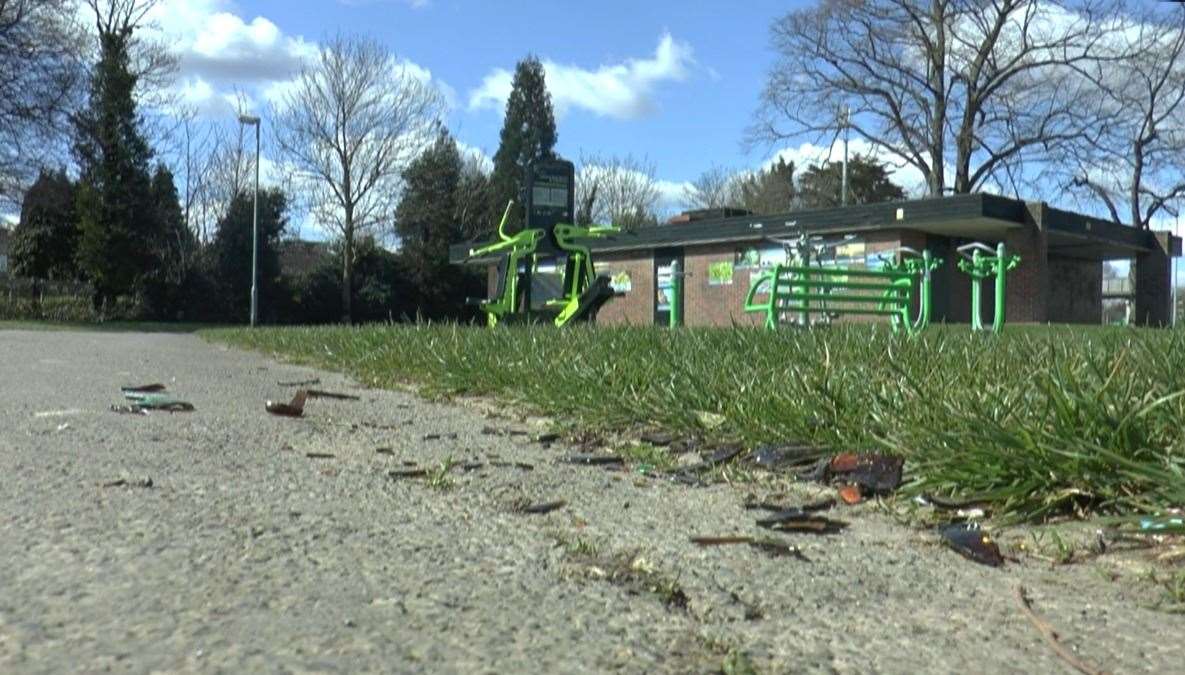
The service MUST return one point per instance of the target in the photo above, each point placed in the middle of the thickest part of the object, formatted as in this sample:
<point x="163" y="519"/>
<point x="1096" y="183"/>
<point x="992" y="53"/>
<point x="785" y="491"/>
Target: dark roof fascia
<point x="1098" y="229"/>
<point x="860" y="218"/>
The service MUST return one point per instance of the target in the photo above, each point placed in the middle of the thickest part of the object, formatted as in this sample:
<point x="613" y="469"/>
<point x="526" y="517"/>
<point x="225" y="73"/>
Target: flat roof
<point x="974" y="216"/>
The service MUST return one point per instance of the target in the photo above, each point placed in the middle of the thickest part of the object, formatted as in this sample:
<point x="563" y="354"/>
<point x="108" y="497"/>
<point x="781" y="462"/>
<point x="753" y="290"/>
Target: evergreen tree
<point x="231" y="255"/>
<point x="45" y="239"/>
<point x="528" y="135"/>
<point x="175" y="244"/>
<point x="167" y="287"/>
<point x="427" y="222"/>
<point x="868" y="182"/>
<point x="118" y="223"/>
<point x="770" y="190"/>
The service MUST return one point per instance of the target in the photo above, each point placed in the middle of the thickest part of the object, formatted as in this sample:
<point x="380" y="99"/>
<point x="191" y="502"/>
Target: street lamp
<point x="254" y="121"/>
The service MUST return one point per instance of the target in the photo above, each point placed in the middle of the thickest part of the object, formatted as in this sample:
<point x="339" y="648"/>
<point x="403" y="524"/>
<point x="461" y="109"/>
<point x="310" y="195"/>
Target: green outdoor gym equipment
<point x="802" y="289"/>
<point x="582" y="292"/>
<point x="981" y="262"/>
<point x="547" y="240"/>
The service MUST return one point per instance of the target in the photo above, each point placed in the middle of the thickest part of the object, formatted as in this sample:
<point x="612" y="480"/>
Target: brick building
<point x="1059" y="279"/>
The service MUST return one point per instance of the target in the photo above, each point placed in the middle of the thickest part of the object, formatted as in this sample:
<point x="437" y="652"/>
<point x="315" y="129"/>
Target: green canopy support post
<point x="676" y="312"/>
<point x="980" y="262"/>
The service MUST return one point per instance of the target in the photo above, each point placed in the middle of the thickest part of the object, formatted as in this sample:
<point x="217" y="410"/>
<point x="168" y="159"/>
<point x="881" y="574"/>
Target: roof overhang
<point x="977" y="216"/>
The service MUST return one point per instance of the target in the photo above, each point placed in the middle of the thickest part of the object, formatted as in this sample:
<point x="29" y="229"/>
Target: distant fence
<point x="1118" y="288"/>
<point x="12" y="288"/>
<point x="22" y="298"/>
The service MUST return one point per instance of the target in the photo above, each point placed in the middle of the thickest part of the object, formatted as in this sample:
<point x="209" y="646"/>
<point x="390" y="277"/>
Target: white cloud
<point x="223" y="54"/>
<point x="671" y="196"/>
<point x="415" y="70"/>
<point x="478" y="155"/>
<point x="622" y="91"/>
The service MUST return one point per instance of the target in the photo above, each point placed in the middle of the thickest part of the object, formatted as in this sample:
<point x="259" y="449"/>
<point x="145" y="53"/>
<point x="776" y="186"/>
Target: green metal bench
<point x="802" y="290"/>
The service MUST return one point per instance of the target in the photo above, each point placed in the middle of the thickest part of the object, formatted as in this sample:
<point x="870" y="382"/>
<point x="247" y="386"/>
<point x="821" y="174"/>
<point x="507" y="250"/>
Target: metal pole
<point x="255" y="236"/>
<point x="843" y="191"/>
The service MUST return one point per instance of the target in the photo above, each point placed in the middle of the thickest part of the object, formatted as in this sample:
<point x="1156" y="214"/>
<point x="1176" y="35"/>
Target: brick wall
<point x="1075" y="290"/>
<point x="1027" y="293"/>
<point x="636" y="306"/>
<point x="707" y="305"/>
<point x="1154" y="278"/>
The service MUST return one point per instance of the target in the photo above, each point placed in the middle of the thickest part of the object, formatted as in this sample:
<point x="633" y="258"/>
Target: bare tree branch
<point x="353" y="123"/>
<point x="715" y="188"/>
<point x="41" y="77"/>
<point x="617" y="190"/>
<point x="1137" y="160"/>
<point x="937" y="83"/>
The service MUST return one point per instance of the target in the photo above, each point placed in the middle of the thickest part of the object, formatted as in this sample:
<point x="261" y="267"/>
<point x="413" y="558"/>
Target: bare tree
<point x="1137" y="163"/>
<point x="715" y="188"/>
<point x="354" y="121"/>
<point x="984" y="85"/>
<point x="40" y="76"/>
<point x="153" y="63"/>
<point x="474" y="197"/>
<point x="213" y="160"/>
<point x="620" y="190"/>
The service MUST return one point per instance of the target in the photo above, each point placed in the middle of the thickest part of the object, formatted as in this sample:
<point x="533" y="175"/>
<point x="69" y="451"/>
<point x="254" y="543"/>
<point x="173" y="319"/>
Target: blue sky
<point x="694" y="118"/>
<point x="674" y="83"/>
<point x="685" y="77"/>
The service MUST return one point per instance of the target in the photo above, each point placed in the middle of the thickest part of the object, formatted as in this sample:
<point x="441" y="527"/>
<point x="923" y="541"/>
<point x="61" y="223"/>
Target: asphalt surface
<point x="245" y="554"/>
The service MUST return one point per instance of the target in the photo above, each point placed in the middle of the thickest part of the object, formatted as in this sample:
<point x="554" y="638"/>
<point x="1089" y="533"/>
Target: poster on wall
<point x="767" y="255"/>
<point x="620" y="282"/>
<point x="746" y="258"/>
<point x="720" y="273"/>
<point x="850" y="255"/>
<point x="663" y="288"/>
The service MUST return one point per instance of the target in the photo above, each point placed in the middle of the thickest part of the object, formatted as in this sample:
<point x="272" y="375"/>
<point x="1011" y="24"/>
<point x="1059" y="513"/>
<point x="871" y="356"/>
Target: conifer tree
<point x="770" y="190"/>
<point x="868" y="182"/>
<point x="528" y="135"/>
<point x="430" y="217"/>
<point x="44" y="240"/>
<point x="118" y="224"/>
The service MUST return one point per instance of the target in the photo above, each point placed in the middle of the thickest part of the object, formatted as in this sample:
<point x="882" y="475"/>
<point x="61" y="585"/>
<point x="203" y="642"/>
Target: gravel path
<point x="247" y="555"/>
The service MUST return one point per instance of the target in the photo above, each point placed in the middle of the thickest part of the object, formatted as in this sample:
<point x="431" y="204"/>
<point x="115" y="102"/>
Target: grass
<point x="1044" y="422"/>
<point x="438" y="477"/>
<point x="648" y="457"/>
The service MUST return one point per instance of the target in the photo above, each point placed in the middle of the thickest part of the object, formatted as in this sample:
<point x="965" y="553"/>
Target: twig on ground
<point x="1051" y="636"/>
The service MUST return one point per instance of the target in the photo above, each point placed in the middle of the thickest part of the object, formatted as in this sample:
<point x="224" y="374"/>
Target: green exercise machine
<point x="545" y="271"/>
<point x="982" y="262"/>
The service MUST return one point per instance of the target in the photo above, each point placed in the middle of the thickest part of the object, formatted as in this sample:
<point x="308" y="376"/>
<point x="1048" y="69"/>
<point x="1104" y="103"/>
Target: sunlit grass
<point x="1044" y="422"/>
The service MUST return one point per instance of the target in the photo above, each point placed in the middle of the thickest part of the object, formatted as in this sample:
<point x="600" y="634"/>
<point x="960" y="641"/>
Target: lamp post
<point x="254" y="121"/>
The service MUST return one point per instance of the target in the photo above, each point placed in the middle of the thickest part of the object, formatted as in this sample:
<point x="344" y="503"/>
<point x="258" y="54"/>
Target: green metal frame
<point x="979" y="263"/>
<point x="579" y="272"/>
<point x="805" y="289"/>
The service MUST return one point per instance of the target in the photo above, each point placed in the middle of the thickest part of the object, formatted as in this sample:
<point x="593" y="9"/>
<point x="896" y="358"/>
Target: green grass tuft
<point x="1044" y="422"/>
